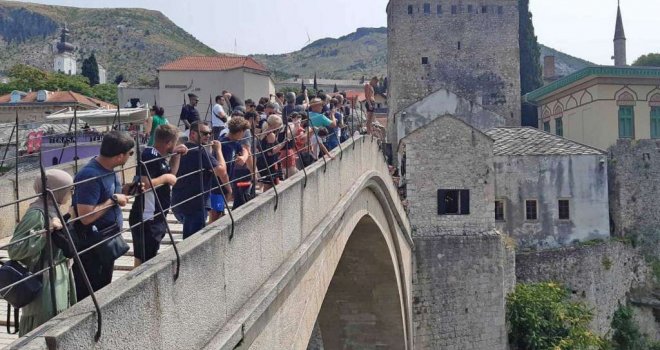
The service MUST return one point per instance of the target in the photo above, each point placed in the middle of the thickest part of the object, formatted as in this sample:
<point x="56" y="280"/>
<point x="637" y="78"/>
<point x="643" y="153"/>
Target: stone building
<point x="33" y="107"/>
<point x="550" y="191"/>
<point x="468" y="48"/>
<point x="65" y="59"/>
<point x="463" y="268"/>
<point x="207" y="76"/>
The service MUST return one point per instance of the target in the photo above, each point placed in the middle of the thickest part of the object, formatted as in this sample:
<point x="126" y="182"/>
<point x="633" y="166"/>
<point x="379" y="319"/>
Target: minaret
<point x="619" y="40"/>
<point x="65" y="60"/>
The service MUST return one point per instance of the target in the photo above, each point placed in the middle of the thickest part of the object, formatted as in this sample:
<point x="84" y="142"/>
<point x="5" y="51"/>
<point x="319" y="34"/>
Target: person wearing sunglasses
<point x="98" y="203"/>
<point x="190" y="194"/>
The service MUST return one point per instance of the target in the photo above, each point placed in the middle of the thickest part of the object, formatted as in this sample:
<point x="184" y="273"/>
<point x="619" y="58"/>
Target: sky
<point x="582" y="28"/>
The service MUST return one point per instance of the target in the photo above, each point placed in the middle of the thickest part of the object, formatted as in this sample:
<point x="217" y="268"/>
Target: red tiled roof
<point x="213" y="63"/>
<point x="63" y="97"/>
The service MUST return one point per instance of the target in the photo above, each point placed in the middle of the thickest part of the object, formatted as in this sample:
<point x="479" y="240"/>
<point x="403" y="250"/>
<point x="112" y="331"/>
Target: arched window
<point x="626" y="102"/>
<point x="559" y="123"/>
<point x="654" y="103"/>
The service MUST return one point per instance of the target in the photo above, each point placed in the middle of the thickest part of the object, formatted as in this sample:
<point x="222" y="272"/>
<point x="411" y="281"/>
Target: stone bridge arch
<point x="264" y="288"/>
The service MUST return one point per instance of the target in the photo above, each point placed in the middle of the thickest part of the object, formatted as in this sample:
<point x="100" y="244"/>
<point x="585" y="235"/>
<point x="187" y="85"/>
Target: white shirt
<point x="217" y="112"/>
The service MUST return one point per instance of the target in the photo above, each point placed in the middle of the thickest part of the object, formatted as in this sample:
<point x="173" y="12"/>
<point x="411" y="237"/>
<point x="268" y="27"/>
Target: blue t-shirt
<point x="97" y="191"/>
<point x="190" y="186"/>
<point x="230" y="150"/>
<point x="319" y="120"/>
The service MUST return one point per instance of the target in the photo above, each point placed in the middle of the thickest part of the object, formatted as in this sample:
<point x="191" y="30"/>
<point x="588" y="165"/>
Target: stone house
<point x="550" y="191"/>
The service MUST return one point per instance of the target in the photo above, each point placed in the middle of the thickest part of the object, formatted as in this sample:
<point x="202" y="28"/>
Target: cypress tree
<point x="530" y="65"/>
<point x="90" y="69"/>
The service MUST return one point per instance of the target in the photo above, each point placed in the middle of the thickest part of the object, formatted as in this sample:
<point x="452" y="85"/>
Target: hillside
<point x="364" y="53"/>
<point x="132" y="42"/>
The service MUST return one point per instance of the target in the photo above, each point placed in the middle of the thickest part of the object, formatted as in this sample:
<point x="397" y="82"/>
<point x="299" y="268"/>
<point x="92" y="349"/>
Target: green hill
<point x="132" y="42"/>
<point x="364" y="53"/>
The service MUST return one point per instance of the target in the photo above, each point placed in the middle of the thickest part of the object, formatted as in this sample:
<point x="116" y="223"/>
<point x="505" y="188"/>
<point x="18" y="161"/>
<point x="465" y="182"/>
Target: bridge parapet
<point x="228" y="289"/>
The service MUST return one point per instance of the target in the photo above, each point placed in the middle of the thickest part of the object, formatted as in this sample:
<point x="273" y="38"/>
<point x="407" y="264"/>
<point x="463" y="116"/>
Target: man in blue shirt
<point x="148" y="217"/>
<point x="191" y="192"/>
<point x="189" y="113"/>
<point x="317" y="119"/>
<point x="97" y="198"/>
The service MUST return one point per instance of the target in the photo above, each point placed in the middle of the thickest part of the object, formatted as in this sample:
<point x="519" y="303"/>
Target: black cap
<point x="193" y="96"/>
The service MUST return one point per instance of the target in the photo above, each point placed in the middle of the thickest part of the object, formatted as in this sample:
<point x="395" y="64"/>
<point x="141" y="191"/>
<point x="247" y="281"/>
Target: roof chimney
<point x="549" y="67"/>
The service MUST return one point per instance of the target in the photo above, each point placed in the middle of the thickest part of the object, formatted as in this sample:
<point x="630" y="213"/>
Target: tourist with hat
<point x="317" y="119"/>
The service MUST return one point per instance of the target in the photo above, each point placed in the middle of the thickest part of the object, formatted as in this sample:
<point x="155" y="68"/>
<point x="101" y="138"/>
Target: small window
<point x="439" y="9"/>
<point x="458" y="45"/>
<point x="559" y="127"/>
<point x="410" y="9"/>
<point x="484" y="9"/>
<point x="626" y="122"/>
<point x="499" y="210"/>
<point x="500" y="10"/>
<point x="453" y="202"/>
<point x="655" y="122"/>
<point x="531" y="210"/>
<point x="546" y="126"/>
<point x="427" y="8"/>
<point x="470" y="8"/>
<point x="564" y="209"/>
<point x="425" y="60"/>
<point x="454" y="9"/>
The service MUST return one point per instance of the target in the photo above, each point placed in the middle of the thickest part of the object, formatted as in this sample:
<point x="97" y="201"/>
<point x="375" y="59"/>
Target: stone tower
<point x="468" y="47"/>
<point x="619" y="41"/>
<point x="65" y="59"/>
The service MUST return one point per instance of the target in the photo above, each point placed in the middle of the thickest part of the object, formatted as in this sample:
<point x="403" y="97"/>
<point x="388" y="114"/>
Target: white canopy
<point x="103" y="117"/>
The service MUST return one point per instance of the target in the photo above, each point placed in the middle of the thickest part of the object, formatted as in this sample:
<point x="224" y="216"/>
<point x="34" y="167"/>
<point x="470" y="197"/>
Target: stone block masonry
<point x="469" y="48"/>
<point x="601" y="275"/>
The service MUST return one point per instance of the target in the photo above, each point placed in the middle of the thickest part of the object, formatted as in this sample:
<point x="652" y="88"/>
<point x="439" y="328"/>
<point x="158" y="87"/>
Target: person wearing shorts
<point x="148" y="216"/>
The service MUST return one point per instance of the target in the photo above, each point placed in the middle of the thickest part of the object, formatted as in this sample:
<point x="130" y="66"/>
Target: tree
<point x="90" y="69"/>
<point x="119" y="78"/>
<point x="315" y="86"/>
<point x="105" y="92"/>
<point x="530" y="65"/>
<point x="650" y="60"/>
<point x="24" y="77"/>
<point x="541" y="316"/>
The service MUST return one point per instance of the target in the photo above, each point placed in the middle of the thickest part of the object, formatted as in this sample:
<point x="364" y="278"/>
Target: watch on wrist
<point x="114" y="199"/>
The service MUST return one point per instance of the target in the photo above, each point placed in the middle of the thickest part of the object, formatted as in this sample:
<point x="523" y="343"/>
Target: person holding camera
<point x="97" y="202"/>
<point x="148" y="217"/>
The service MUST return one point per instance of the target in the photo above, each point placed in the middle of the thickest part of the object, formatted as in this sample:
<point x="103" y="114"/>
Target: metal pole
<point x="4" y="156"/>
<point x="18" y="207"/>
<point x="140" y="197"/>
<point x="75" y="137"/>
<point x="49" y="238"/>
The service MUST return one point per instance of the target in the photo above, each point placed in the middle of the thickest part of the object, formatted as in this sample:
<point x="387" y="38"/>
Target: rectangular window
<point x="453" y="202"/>
<point x="564" y="209"/>
<point x="499" y="210"/>
<point x="439" y="9"/>
<point x="626" y="122"/>
<point x="458" y="45"/>
<point x="484" y="9"/>
<point x="500" y="10"/>
<point x="427" y="8"/>
<point x="470" y="8"/>
<point x="454" y="9"/>
<point x="425" y="60"/>
<point x="410" y="9"/>
<point x="655" y="122"/>
<point x="531" y="210"/>
<point x="546" y="126"/>
<point x="559" y="127"/>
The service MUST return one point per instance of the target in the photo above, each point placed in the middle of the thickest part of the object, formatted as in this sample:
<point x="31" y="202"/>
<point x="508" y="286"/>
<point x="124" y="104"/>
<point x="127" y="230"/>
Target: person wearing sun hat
<point x="317" y="119"/>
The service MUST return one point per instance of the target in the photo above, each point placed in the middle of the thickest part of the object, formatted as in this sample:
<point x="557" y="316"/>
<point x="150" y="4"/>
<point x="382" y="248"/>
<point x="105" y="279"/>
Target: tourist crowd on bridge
<point x="196" y="170"/>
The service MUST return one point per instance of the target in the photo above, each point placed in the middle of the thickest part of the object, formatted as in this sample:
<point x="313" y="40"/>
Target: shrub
<point x="541" y="316"/>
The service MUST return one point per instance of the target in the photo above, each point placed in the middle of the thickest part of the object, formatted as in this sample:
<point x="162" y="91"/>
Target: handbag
<point x="23" y="293"/>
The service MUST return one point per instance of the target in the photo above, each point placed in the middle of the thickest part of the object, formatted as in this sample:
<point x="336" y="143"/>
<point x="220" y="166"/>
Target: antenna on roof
<point x="235" y="47"/>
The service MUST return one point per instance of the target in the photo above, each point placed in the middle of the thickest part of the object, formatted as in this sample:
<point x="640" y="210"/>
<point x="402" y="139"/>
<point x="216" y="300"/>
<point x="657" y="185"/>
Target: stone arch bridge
<point x="333" y="249"/>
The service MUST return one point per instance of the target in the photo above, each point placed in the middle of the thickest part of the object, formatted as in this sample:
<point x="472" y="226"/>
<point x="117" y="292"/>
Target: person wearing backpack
<point x="31" y="252"/>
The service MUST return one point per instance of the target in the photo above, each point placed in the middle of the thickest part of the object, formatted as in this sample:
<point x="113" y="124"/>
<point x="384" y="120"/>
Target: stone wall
<point x="463" y="270"/>
<point x="634" y="177"/>
<point x="449" y="154"/>
<point x="580" y="179"/>
<point x="474" y="54"/>
<point x="601" y="275"/>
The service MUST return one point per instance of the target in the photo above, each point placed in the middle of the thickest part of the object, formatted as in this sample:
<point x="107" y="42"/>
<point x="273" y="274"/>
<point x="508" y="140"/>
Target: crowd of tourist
<point x="193" y="170"/>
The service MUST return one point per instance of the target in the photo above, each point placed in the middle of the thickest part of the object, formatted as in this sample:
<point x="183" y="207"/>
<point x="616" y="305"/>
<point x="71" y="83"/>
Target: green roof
<point x="601" y="71"/>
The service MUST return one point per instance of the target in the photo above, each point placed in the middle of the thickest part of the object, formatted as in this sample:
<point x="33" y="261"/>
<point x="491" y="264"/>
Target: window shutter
<point x="465" y="202"/>
<point x="442" y="207"/>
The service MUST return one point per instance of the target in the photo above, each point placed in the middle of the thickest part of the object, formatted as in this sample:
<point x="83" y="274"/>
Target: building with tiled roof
<point x="207" y="77"/>
<point x="529" y="141"/>
<point x="34" y="106"/>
